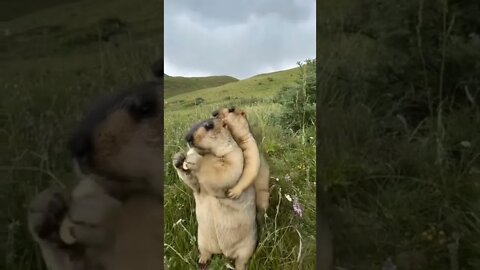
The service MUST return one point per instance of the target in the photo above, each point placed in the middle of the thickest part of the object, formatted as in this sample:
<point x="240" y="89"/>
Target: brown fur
<point x="129" y="152"/>
<point x="139" y="241"/>
<point x="221" y="165"/>
<point x="224" y="226"/>
<point x="256" y="169"/>
<point x="126" y="236"/>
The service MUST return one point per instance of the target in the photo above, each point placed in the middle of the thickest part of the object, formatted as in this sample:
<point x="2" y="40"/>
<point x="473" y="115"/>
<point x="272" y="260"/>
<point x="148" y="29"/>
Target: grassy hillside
<point x="288" y="239"/>
<point x="176" y="85"/>
<point x="256" y="88"/>
<point x="82" y="35"/>
<point x="53" y="63"/>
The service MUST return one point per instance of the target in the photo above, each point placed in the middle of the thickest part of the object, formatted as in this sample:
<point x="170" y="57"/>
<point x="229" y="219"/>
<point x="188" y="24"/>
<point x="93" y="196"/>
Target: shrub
<point x="199" y="101"/>
<point x="299" y="100"/>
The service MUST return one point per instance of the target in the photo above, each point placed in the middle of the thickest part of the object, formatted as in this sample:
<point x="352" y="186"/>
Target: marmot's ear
<point x="231" y="109"/>
<point x="242" y="113"/>
<point x="215" y="113"/>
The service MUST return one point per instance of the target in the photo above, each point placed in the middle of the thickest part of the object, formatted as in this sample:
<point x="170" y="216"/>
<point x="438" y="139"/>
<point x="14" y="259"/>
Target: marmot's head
<point x="210" y="136"/>
<point x="236" y="120"/>
<point x="121" y="136"/>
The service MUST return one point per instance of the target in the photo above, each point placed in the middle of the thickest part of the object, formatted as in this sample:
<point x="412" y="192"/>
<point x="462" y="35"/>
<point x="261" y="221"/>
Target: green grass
<point x="176" y="85"/>
<point x="288" y="240"/>
<point x="257" y="89"/>
<point x="46" y="84"/>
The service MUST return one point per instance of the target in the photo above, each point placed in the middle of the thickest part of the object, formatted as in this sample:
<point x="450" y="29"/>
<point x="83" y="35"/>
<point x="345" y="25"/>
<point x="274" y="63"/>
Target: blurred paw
<point x="46" y="213"/>
<point x="178" y="160"/>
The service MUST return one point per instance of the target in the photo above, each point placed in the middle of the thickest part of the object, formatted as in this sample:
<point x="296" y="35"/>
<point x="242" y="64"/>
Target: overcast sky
<point x="239" y="38"/>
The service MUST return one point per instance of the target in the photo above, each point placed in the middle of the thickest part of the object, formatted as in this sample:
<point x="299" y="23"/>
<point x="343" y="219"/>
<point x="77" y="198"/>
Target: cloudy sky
<point x="239" y="38"/>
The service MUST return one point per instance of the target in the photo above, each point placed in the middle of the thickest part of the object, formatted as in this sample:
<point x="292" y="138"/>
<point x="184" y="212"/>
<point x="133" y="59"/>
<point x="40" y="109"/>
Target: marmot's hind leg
<point x="204" y="259"/>
<point x="262" y="191"/>
<point x="262" y="200"/>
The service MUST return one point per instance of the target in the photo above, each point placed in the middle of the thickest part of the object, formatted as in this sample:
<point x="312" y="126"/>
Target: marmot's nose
<point x="189" y="139"/>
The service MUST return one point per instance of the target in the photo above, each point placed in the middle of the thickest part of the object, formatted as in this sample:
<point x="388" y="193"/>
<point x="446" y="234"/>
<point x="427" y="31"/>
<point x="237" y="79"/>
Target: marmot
<point x="256" y="169"/>
<point x="213" y="163"/>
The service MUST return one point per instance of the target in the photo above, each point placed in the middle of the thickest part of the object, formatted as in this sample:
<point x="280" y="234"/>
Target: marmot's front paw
<point x="46" y="213"/>
<point x="191" y="160"/>
<point x="178" y="159"/>
<point x="189" y="165"/>
<point x="234" y="193"/>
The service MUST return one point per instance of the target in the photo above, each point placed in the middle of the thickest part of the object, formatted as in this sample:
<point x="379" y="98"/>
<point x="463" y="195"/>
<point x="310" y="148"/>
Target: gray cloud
<point x="237" y="38"/>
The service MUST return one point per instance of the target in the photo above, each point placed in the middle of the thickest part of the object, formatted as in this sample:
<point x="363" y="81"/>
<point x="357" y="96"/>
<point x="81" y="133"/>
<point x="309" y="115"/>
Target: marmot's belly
<point x="234" y="220"/>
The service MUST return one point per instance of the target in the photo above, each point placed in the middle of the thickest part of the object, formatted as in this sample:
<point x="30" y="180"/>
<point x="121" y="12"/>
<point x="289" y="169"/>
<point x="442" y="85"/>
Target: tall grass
<point x="400" y="140"/>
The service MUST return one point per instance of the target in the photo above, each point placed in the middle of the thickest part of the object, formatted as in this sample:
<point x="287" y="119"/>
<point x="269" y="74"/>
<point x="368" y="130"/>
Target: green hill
<point x="180" y="85"/>
<point x="238" y="92"/>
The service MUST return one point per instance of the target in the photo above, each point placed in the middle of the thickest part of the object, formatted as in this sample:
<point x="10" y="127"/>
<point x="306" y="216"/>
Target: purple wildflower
<point x="297" y="207"/>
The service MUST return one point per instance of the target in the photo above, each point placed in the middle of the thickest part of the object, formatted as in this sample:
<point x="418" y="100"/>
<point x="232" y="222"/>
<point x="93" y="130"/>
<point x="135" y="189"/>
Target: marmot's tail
<point x="157" y="69"/>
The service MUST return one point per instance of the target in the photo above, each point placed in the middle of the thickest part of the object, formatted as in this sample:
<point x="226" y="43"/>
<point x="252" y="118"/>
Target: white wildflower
<point x="466" y="144"/>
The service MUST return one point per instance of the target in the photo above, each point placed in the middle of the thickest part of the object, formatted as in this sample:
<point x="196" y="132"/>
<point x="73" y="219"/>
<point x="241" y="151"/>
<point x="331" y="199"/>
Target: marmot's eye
<point x="141" y="108"/>
<point x="231" y="109"/>
<point x="208" y="125"/>
<point x="145" y="108"/>
<point x="215" y="113"/>
<point x="189" y="138"/>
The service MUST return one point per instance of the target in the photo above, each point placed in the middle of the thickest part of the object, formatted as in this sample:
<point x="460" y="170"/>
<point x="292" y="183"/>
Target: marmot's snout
<point x="189" y="139"/>
<point x="201" y="128"/>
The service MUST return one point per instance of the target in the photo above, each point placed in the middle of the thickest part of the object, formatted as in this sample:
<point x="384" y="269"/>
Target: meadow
<point x="287" y="241"/>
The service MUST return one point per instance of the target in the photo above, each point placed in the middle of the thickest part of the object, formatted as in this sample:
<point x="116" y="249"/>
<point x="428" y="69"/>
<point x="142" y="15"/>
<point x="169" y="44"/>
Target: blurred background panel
<point x="55" y="57"/>
<point x="398" y="124"/>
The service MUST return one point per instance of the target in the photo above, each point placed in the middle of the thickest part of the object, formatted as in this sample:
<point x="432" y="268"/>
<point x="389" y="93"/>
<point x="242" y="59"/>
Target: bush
<point x="299" y="101"/>
<point x="199" y="101"/>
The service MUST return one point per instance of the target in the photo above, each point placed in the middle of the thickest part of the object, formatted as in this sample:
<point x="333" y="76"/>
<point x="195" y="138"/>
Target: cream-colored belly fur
<point x="227" y="226"/>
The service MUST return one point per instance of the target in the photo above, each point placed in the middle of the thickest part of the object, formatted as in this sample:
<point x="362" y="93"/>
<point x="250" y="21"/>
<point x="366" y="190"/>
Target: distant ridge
<point x="247" y="91"/>
<point x="176" y="85"/>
